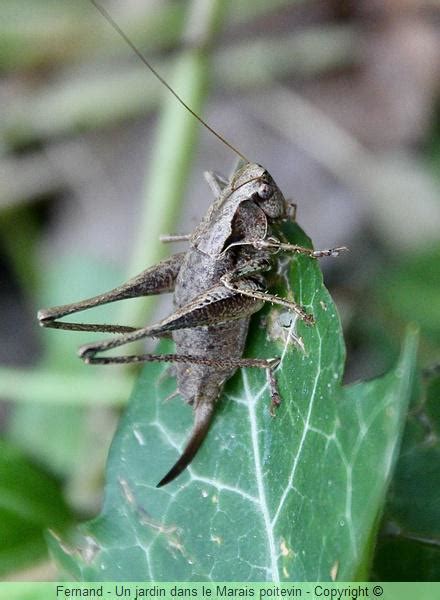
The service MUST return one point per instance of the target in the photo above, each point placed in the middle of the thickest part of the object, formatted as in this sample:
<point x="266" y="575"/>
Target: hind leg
<point x="158" y="279"/>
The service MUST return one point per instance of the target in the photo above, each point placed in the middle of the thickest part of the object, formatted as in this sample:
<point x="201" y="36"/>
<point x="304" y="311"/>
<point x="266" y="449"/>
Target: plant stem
<point x="43" y="386"/>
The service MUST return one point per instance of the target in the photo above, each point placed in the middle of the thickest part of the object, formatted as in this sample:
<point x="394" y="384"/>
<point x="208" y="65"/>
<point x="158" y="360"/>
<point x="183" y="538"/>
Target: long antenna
<point x="136" y="50"/>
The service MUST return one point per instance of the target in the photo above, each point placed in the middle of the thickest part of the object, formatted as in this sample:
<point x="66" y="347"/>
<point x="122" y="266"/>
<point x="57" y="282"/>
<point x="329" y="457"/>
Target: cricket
<point x="218" y="283"/>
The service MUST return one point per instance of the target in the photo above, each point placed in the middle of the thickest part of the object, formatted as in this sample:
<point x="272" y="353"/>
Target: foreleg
<point x="246" y="287"/>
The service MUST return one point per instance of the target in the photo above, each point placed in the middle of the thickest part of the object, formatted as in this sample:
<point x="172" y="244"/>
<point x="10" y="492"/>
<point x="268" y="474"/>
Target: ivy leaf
<point x="291" y="497"/>
<point x="409" y="546"/>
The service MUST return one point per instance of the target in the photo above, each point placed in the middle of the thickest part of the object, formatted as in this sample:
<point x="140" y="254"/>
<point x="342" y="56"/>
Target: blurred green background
<point x="339" y="100"/>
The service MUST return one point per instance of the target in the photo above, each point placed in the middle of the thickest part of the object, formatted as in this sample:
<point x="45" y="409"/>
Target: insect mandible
<point x="218" y="283"/>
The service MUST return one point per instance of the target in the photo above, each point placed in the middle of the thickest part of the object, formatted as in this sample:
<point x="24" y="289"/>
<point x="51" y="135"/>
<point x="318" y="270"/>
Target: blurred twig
<point x="87" y="101"/>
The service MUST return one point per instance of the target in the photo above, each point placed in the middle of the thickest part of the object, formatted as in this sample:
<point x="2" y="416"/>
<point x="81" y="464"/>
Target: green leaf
<point x="411" y="291"/>
<point x="295" y="497"/>
<point x="409" y="547"/>
<point x="30" y="502"/>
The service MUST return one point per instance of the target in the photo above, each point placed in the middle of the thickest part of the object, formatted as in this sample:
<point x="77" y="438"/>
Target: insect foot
<point x="308" y="319"/>
<point x="330" y="252"/>
<point x="275" y="397"/>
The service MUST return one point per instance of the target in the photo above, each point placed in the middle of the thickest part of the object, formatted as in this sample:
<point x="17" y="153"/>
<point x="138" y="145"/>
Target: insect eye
<point x="265" y="191"/>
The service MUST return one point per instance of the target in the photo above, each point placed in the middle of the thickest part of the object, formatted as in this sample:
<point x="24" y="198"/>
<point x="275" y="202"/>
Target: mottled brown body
<point x="205" y="264"/>
<point x="197" y="275"/>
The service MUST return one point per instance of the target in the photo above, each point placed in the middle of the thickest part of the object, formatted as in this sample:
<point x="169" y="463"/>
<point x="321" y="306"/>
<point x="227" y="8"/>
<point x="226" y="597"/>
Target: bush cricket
<point x="217" y="284"/>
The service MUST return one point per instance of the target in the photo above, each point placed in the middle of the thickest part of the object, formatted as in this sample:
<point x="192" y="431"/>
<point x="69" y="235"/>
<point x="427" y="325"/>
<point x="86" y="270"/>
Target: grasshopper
<point x="218" y="283"/>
